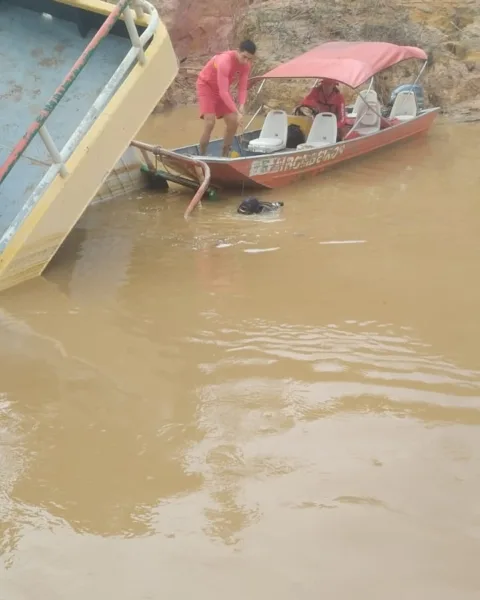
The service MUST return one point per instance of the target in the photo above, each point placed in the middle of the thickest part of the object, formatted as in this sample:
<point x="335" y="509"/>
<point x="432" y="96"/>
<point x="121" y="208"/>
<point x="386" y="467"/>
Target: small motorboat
<point x="262" y="158"/>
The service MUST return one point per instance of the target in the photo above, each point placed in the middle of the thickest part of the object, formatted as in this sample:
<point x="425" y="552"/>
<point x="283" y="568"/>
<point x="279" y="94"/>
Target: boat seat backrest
<point x="368" y="95"/>
<point x="324" y="129"/>
<point x="368" y="117"/>
<point x="404" y="105"/>
<point x="275" y="126"/>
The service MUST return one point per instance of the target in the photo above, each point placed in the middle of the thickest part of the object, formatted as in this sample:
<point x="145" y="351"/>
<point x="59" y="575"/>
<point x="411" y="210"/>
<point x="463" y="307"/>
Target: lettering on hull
<point x="297" y="162"/>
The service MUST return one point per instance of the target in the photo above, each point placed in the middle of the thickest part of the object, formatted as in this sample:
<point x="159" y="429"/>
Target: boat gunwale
<point x="228" y="160"/>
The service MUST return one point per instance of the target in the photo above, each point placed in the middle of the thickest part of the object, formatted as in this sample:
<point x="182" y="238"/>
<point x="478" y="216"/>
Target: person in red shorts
<point x="326" y="97"/>
<point x="213" y="92"/>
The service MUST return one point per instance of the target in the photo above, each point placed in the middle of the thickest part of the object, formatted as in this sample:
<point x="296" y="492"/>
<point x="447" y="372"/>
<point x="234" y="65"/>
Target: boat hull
<point x="284" y="168"/>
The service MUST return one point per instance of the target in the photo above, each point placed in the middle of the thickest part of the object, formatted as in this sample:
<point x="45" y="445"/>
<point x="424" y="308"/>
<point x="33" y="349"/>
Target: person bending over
<point x="213" y="92"/>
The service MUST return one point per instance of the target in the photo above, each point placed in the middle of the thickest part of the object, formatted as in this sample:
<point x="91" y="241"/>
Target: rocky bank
<point x="449" y="31"/>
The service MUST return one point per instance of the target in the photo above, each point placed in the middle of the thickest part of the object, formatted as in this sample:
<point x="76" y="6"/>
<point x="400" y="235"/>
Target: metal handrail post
<point x="137" y="7"/>
<point x="52" y="149"/>
<point x="133" y="34"/>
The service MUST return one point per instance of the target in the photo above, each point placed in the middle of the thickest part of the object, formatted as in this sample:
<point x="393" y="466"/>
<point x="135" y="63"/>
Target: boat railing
<point x="127" y="9"/>
<point x="201" y="168"/>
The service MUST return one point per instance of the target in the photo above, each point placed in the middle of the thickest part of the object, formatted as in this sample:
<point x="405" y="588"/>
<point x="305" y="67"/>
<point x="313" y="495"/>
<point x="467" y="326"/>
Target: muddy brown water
<point x="232" y="407"/>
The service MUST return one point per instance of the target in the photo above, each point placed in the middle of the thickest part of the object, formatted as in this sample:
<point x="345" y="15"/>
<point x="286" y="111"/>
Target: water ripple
<point x="359" y="359"/>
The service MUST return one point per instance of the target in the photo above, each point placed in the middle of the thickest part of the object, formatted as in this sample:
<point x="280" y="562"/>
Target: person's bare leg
<point x="231" y="125"/>
<point x="208" y="125"/>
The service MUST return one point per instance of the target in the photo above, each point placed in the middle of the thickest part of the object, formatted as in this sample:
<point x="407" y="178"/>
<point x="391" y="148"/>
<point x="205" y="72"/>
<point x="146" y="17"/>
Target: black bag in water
<point x="254" y="206"/>
<point x="295" y="136"/>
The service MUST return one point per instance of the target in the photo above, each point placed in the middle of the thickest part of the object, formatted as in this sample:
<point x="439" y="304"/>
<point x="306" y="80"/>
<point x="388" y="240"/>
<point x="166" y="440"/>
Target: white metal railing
<point x="60" y="157"/>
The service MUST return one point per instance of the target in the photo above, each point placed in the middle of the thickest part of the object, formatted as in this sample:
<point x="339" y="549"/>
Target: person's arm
<point x="224" y="83"/>
<point x="341" y="113"/>
<point x="311" y="99"/>
<point x="242" y="88"/>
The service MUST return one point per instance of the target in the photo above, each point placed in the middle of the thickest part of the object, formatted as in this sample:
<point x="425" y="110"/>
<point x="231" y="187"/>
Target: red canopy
<point x="351" y="63"/>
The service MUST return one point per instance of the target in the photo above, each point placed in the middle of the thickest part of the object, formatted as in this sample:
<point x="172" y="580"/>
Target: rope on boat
<point x="202" y="170"/>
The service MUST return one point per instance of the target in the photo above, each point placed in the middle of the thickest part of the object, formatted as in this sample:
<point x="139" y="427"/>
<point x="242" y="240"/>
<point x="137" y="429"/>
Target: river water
<point x="251" y="407"/>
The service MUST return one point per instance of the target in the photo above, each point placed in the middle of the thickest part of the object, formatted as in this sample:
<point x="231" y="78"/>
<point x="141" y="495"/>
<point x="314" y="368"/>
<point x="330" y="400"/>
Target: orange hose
<point x="201" y="190"/>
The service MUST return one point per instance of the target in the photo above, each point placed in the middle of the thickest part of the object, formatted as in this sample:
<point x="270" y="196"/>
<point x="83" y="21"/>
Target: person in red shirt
<point x="213" y="92"/>
<point x="326" y="97"/>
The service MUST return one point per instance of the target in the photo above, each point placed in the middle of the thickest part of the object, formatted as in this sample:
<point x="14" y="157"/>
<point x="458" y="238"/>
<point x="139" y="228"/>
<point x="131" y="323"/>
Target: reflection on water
<point x="252" y="401"/>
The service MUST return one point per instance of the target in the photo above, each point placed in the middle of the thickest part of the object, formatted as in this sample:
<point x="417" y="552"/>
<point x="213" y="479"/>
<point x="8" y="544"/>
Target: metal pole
<point x="252" y="119"/>
<point x="203" y="185"/>
<point x="259" y="89"/>
<point x="133" y="33"/>
<point x="52" y="150"/>
<point x="357" y="121"/>
<point x="259" y="108"/>
<point x="137" y="7"/>
<point x="420" y="73"/>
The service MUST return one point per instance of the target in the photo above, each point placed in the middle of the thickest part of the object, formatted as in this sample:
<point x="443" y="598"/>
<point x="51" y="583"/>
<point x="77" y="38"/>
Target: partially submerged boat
<point x="262" y="158"/>
<point x="79" y="79"/>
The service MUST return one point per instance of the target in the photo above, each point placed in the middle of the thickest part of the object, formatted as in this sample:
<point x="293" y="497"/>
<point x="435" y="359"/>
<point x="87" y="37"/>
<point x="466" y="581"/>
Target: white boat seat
<point x="368" y="95"/>
<point x="404" y="106"/>
<point x="266" y="145"/>
<point x="368" y="120"/>
<point x="323" y="132"/>
<point x="273" y="136"/>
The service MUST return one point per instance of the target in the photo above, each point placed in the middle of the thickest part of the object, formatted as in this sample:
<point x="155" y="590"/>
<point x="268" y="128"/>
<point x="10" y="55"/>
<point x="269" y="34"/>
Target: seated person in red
<point x="326" y="97"/>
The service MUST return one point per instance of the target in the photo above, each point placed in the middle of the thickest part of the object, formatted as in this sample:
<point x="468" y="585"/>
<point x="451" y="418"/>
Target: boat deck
<point x="215" y="147"/>
<point x="36" y="52"/>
